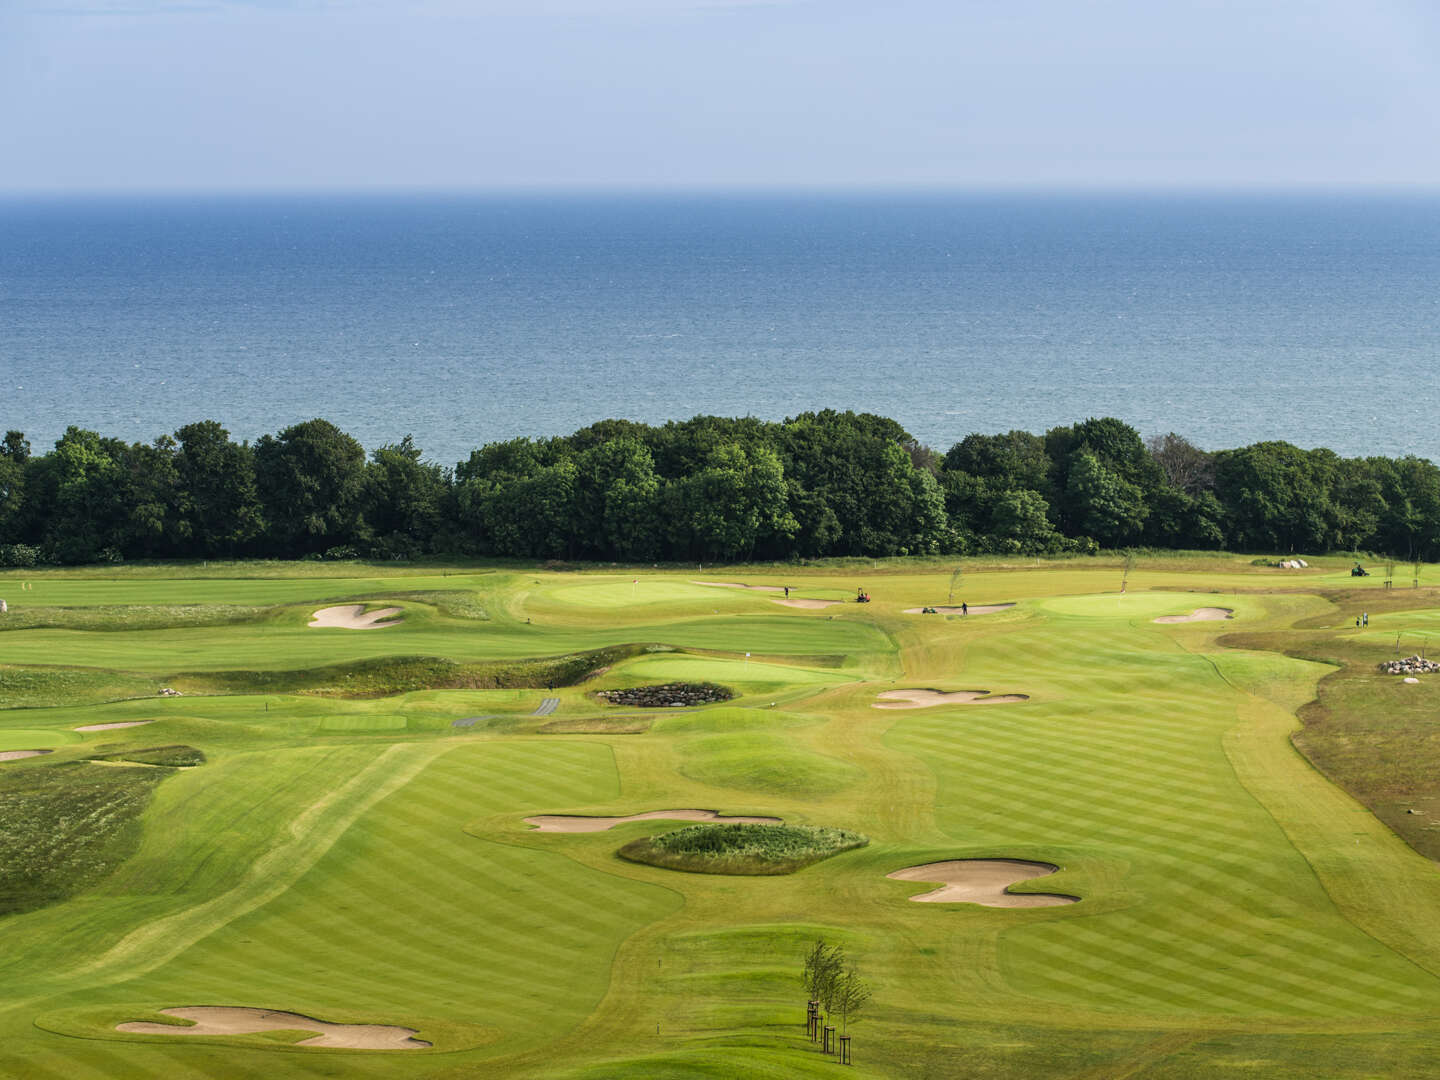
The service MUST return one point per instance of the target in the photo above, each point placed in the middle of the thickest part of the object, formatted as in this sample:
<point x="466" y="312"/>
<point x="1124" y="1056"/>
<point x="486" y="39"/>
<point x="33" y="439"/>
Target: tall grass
<point x="742" y="848"/>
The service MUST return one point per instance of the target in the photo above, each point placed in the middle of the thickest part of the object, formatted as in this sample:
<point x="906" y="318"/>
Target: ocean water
<point x="467" y="319"/>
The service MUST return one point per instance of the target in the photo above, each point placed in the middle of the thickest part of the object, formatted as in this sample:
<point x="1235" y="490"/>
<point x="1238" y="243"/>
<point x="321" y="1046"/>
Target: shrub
<point x="21" y="555"/>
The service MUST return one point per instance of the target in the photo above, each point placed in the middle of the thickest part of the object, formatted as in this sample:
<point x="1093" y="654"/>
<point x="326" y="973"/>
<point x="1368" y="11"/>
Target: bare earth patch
<point x="1204" y="614"/>
<point x="924" y="699"/>
<point x="231" y="1020"/>
<point x="355" y="617"/>
<point x="802" y="602"/>
<point x="974" y="609"/>
<point x="982" y="881"/>
<point x="571" y="823"/>
<point x="16" y="755"/>
<point x="740" y="585"/>
<point x="112" y="727"/>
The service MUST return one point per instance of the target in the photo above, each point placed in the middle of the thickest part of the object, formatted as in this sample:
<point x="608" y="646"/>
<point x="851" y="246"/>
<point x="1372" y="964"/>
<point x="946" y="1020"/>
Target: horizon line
<point x="562" y="189"/>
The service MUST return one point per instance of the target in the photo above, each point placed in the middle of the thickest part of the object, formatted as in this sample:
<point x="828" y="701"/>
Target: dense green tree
<point x="1103" y="505"/>
<point x="150" y="494"/>
<point x="1020" y="522"/>
<point x="311" y="479"/>
<point x="1410" y="522"/>
<point x="81" y="489"/>
<point x="1009" y="462"/>
<point x="219" y="505"/>
<point x="819" y="484"/>
<point x="405" y="499"/>
<point x="14" y="458"/>
<point x="1120" y="453"/>
<point x="1276" y="498"/>
<point x="619" y="500"/>
<point x="734" y="503"/>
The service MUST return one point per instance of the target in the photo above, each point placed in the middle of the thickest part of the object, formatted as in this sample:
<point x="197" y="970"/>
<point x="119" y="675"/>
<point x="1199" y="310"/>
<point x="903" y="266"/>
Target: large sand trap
<point x="16" y="755"/>
<point x="802" y="602"/>
<point x="974" y="609"/>
<point x="228" y="1020"/>
<point x="112" y="727"/>
<point x="740" y="585"/>
<point x="571" y="823"/>
<point x="982" y="881"/>
<point x="355" y="617"/>
<point x="1204" y="614"/>
<point x="924" y="699"/>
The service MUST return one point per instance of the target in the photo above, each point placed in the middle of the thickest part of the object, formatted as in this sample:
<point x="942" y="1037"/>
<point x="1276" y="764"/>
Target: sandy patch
<point x="982" y="881"/>
<point x="112" y="727"/>
<point x="924" y="699"/>
<point x="355" y="617"/>
<point x="570" y="823"/>
<point x="740" y="585"/>
<point x="16" y="755"/>
<point x="227" y="1020"/>
<point x="1204" y="614"/>
<point x="801" y="602"/>
<point x="975" y="609"/>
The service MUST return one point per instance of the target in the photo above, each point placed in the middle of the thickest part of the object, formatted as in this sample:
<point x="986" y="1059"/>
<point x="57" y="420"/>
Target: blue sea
<point x="466" y="319"/>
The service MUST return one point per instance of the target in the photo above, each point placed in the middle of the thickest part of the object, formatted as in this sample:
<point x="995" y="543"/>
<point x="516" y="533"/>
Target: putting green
<point x="30" y="738"/>
<point x="364" y="861"/>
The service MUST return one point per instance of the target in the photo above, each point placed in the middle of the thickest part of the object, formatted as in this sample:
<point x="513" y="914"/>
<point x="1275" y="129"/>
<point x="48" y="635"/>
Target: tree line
<point x="707" y="489"/>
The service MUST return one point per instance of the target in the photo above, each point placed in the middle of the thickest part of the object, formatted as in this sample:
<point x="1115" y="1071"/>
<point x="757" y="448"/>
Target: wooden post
<point x="829" y="1039"/>
<point x="845" y="1050"/>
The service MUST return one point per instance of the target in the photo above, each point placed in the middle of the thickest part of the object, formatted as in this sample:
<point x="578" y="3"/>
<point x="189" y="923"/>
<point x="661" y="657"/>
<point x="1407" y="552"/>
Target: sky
<point x="260" y="95"/>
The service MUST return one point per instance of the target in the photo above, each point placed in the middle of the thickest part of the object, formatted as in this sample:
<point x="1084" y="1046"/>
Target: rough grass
<point x="39" y="687"/>
<point x="400" y="674"/>
<point x="1372" y="734"/>
<point x="453" y="602"/>
<point x="173" y="757"/>
<point x="128" y="616"/>
<point x="742" y="848"/>
<point x="65" y="826"/>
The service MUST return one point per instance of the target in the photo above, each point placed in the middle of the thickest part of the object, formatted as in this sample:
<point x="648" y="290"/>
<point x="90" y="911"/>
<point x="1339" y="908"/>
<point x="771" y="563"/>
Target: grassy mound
<point x="742" y="849"/>
<point x="170" y="757"/>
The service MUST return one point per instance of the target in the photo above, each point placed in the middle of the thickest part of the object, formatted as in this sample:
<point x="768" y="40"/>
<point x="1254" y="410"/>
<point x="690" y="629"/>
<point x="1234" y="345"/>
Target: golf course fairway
<point x="326" y="828"/>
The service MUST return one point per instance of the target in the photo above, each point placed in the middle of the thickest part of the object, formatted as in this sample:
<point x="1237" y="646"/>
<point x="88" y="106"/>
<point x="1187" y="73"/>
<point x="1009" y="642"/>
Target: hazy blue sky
<point x="127" y="94"/>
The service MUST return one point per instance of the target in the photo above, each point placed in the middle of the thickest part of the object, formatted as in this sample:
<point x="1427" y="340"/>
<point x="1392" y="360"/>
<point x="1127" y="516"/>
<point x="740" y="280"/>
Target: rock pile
<point x="667" y="695"/>
<point x="1411" y="665"/>
<point x="166" y="691"/>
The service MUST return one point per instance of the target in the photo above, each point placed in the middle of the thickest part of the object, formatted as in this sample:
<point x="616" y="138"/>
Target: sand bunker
<point x="112" y="727"/>
<point x="571" y="823"/>
<point x="801" y="602"/>
<point x="1204" y="614"/>
<point x="983" y="881"/>
<point x="16" y="755"/>
<point x="974" y="609"/>
<point x="739" y="585"/>
<point x="355" y="617"/>
<point x="924" y="699"/>
<point x="226" y="1020"/>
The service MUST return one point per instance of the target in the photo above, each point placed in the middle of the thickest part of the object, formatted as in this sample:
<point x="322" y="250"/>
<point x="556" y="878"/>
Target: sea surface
<point x="467" y="319"/>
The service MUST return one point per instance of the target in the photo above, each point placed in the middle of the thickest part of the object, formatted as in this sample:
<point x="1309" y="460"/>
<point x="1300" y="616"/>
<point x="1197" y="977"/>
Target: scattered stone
<point x="1411" y="679"/>
<point x="1410" y="665"/>
<point x="166" y="691"/>
<point x="667" y="695"/>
